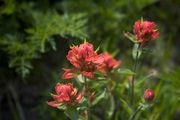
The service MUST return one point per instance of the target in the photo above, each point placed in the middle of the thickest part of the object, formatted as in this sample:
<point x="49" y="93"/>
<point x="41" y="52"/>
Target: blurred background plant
<point x="34" y="40"/>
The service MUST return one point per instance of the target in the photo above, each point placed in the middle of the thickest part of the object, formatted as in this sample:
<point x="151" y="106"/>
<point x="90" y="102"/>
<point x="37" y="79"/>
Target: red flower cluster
<point x="66" y="94"/>
<point x="83" y="58"/>
<point x="145" y="30"/>
<point x="148" y="95"/>
<point x="108" y="64"/>
<point x="87" y="61"/>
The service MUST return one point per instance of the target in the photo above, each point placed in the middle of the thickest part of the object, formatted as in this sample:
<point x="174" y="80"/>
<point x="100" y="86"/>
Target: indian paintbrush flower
<point x="66" y="94"/>
<point x="108" y="64"/>
<point x="145" y="31"/>
<point x="83" y="58"/>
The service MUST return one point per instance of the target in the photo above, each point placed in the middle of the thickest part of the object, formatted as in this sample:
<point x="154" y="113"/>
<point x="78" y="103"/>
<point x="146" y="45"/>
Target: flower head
<point x="85" y="59"/>
<point x="109" y="63"/>
<point x="66" y="94"/>
<point x="145" y="30"/>
<point x="149" y="95"/>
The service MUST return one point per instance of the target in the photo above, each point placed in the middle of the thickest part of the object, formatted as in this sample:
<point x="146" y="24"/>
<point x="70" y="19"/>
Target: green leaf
<point x="110" y="107"/>
<point x="80" y="79"/>
<point x="81" y="108"/>
<point x="146" y="105"/>
<point x="84" y="102"/>
<point x="125" y="71"/>
<point x="131" y="37"/>
<point x="62" y="107"/>
<point x="126" y="106"/>
<point x="99" y="97"/>
<point x="52" y="43"/>
<point x="136" y="52"/>
<point x="71" y="113"/>
<point x="115" y="52"/>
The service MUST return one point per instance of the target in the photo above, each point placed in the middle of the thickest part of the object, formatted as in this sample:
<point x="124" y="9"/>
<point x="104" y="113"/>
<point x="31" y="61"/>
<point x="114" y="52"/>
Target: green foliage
<point x="9" y="7"/>
<point x="29" y="34"/>
<point x="52" y="23"/>
<point x="99" y="97"/>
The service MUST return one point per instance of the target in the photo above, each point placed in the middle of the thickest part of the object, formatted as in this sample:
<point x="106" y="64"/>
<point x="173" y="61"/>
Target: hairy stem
<point x="133" y="77"/>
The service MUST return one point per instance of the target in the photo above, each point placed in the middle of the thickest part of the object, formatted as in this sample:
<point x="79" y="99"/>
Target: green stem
<point x="85" y="85"/>
<point x="135" y="113"/>
<point x="133" y="77"/>
<point x="85" y="81"/>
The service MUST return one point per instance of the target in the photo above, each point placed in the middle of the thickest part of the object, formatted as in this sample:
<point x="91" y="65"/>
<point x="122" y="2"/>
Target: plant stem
<point x="85" y="81"/>
<point x="86" y="86"/>
<point x="135" y="113"/>
<point x="133" y="77"/>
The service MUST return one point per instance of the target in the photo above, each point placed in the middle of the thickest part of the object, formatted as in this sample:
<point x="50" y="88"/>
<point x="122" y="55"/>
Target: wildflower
<point x="149" y="95"/>
<point x="109" y="63"/>
<point x="69" y="73"/>
<point x="66" y="94"/>
<point x="145" y="31"/>
<point x="85" y="59"/>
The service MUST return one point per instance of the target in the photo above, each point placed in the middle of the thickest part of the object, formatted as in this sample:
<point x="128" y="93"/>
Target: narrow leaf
<point x="125" y="71"/>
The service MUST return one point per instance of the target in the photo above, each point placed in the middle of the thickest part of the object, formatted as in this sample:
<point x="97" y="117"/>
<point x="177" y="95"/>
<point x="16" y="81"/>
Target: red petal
<point x="69" y="73"/>
<point x="54" y="104"/>
<point x="79" y="98"/>
<point x="58" y="88"/>
<point x="89" y="74"/>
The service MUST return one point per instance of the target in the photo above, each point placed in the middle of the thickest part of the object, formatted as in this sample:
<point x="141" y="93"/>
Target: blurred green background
<point x="35" y="36"/>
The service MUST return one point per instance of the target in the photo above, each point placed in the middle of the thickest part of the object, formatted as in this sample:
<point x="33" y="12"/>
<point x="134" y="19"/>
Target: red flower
<point x="145" y="30"/>
<point x="108" y="64"/>
<point x="66" y="94"/>
<point x="84" y="58"/>
<point x="69" y="73"/>
<point x="149" y="95"/>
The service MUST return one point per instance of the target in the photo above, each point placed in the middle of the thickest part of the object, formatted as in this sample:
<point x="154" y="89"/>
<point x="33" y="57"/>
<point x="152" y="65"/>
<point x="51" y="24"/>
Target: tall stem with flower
<point x="144" y="32"/>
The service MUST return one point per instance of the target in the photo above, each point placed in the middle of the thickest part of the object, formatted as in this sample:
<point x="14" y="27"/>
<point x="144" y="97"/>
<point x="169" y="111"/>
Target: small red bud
<point x="149" y="95"/>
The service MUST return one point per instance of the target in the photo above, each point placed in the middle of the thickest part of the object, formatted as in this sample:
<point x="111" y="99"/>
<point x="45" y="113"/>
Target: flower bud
<point x="149" y="95"/>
